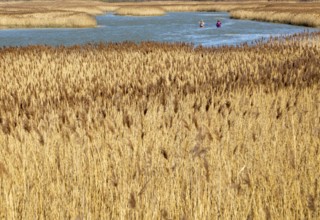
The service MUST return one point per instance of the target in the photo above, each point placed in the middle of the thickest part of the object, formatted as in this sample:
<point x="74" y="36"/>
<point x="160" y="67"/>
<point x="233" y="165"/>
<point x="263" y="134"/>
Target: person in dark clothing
<point x="218" y="24"/>
<point x="201" y="23"/>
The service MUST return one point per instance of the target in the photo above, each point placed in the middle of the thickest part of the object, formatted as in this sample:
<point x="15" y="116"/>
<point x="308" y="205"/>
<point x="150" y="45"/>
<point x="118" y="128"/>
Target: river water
<point x="173" y="27"/>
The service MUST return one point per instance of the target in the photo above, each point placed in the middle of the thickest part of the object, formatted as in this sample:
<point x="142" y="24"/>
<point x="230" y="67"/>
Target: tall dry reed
<point x="51" y="13"/>
<point x="140" y="11"/>
<point x="47" y="19"/>
<point x="290" y="17"/>
<point x="161" y="131"/>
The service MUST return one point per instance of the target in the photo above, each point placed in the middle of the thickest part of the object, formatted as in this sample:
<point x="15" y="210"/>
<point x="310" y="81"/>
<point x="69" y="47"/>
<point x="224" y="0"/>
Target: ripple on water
<point x="173" y="27"/>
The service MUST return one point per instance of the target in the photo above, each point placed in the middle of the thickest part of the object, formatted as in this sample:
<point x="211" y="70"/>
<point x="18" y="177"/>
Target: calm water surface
<point x="173" y="27"/>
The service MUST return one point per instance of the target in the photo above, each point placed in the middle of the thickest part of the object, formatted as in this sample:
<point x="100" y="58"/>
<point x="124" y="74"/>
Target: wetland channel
<point x="172" y="27"/>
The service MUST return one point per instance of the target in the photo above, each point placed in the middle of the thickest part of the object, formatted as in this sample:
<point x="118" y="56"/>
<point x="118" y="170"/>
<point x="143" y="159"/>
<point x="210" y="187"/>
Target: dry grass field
<point x="140" y="11"/>
<point x="161" y="131"/>
<point x="47" y="19"/>
<point x="81" y="13"/>
<point x="305" y="14"/>
<point x="42" y="14"/>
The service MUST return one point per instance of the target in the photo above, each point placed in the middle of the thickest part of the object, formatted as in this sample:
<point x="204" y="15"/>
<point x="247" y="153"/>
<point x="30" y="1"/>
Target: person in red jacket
<point x="218" y="24"/>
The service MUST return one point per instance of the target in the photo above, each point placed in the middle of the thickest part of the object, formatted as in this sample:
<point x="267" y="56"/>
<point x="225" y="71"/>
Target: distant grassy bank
<point x="305" y="14"/>
<point x="81" y="13"/>
<point x="140" y="11"/>
<point x="43" y="14"/>
<point x="47" y="19"/>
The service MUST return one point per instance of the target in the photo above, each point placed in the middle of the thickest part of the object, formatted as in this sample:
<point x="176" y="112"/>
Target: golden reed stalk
<point x="161" y="131"/>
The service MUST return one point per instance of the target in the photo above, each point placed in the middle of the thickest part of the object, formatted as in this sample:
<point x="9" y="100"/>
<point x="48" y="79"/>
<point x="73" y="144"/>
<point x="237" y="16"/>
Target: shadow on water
<point x="172" y="27"/>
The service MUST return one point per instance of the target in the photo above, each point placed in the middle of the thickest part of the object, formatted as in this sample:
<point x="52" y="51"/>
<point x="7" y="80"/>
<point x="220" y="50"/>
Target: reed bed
<point x="47" y="19"/>
<point x="43" y="14"/>
<point x="176" y="6"/>
<point x="89" y="7"/>
<point x="140" y="11"/>
<point x="161" y="131"/>
<point x="302" y="15"/>
<point x="209" y="6"/>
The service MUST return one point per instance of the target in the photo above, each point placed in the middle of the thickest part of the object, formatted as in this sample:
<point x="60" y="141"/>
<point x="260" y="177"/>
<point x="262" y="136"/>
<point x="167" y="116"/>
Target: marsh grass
<point x="295" y="17"/>
<point x="50" y="14"/>
<point x="47" y="19"/>
<point x="140" y="11"/>
<point x="161" y="131"/>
